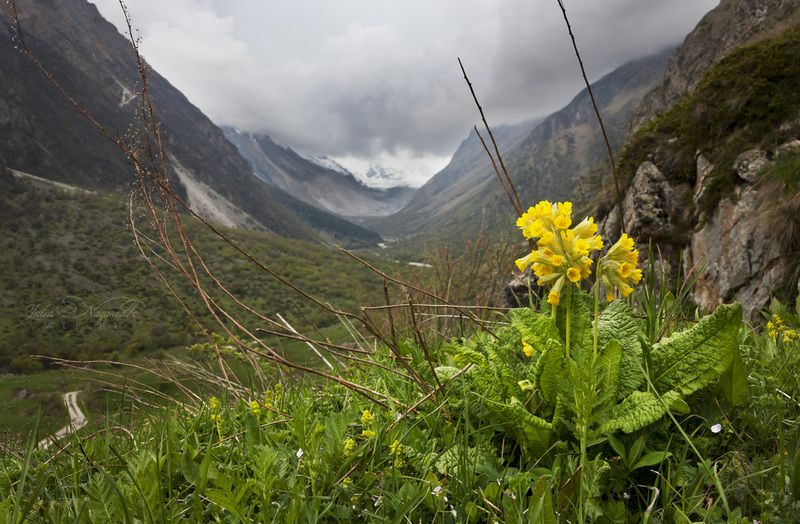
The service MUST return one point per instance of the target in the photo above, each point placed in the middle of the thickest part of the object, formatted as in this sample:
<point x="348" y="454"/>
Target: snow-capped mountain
<point x="321" y="182"/>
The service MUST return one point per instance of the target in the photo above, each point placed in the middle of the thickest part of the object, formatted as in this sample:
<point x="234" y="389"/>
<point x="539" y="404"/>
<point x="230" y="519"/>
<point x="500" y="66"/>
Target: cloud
<point x="378" y="79"/>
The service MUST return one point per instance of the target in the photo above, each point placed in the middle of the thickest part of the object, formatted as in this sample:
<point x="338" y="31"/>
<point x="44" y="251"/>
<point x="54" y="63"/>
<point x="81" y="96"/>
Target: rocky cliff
<point x="714" y="181"/>
<point x="731" y="24"/>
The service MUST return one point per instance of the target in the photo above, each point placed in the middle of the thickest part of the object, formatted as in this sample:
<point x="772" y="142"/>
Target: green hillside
<point x="76" y="245"/>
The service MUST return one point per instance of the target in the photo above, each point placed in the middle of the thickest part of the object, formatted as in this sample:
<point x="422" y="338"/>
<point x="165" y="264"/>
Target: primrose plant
<point x="577" y="372"/>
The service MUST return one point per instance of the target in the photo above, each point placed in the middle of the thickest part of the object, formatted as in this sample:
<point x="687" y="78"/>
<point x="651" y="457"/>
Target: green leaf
<point x="688" y="361"/>
<point x="534" y="328"/>
<point x="733" y="382"/>
<point x="637" y="410"/>
<point x="532" y="432"/>
<point x="616" y="322"/>
<point x="551" y="373"/>
<point x="651" y="459"/>
<point x="581" y="306"/>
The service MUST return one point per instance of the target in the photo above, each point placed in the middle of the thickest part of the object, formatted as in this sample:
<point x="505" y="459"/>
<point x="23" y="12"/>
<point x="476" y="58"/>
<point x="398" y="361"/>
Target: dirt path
<point x="76" y="420"/>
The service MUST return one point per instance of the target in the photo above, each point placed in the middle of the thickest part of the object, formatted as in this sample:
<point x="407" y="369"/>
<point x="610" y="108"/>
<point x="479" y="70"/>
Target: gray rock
<point x="749" y="164"/>
<point x="737" y="258"/>
<point x="653" y="206"/>
<point x="704" y="168"/>
<point x="789" y="148"/>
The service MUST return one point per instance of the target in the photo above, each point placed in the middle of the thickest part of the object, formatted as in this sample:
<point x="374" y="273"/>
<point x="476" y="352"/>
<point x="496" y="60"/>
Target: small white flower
<point x="378" y="500"/>
<point x="716" y="428"/>
<point x="625" y="495"/>
<point x="299" y="453"/>
<point x="436" y="491"/>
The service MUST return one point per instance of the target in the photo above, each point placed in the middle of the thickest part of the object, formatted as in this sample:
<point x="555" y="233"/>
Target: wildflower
<point x="268" y="399"/>
<point x="255" y="408"/>
<point x="562" y="254"/>
<point x="213" y="404"/>
<point x="618" y="268"/>
<point x="527" y="349"/>
<point x="347" y="482"/>
<point x="367" y="419"/>
<point x="438" y="490"/>
<point x="395" y="447"/>
<point x="299" y="453"/>
<point x="349" y="446"/>
<point x="368" y="433"/>
<point x="716" y="428"/>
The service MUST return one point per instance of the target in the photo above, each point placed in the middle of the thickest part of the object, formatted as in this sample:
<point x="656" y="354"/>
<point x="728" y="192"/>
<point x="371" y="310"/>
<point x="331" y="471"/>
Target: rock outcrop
<point x="734" y="250"/>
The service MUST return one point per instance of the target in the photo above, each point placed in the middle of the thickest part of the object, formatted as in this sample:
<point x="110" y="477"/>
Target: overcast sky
<point x="377" y="81"/>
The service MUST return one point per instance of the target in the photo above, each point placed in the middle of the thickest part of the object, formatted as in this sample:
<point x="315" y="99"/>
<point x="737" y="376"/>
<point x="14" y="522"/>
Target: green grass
<point x="454" y="459"/>
<point x="58" y="245"/>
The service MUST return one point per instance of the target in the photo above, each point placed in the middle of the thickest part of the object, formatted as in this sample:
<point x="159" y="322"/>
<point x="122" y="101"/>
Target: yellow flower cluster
<point x="367" y="423"/>
<point x="395" y="450"/>
<point x="349" y="446"/>
<point x="562" y="253"/>
<point x="778" y="327"/>
<point x="618" y="268"/>
<point x="255" y="408"/>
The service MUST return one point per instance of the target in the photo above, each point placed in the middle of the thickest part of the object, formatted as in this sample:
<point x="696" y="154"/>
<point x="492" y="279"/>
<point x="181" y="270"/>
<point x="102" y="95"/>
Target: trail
<point x="76" y="420"/>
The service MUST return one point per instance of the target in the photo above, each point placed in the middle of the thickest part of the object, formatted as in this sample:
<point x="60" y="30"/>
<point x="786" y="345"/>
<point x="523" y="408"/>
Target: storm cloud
<point x="377" y="80"/>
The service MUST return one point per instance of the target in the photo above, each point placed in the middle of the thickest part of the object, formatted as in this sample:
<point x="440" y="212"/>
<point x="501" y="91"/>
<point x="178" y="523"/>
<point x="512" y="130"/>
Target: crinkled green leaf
<point x="534" y="328"/>
<point x="551" y="373"/>
<point x="690" y="360"/>
<point x="581" y="315"/>
<point x="617" y="323"/>
<point x="532" y="432"/>
<point x="637" y="410"/>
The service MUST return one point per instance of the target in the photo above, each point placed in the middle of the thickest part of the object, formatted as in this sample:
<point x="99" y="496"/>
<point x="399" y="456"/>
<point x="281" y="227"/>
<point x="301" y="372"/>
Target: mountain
<point x="545" y="160"/>
<point x="731" y="24"/>
<point x="74" y="285"/>
<point x="45" y="136"/>
<point x="714" y="180"/>
<point x="334" y="190"/>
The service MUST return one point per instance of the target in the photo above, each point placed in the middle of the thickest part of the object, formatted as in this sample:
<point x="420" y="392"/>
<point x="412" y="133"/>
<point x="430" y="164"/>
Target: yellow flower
<point x="255" y="408"/>
<point x="395" y="447"/>
<point x="368" y="433"/>
<point x="213" y="404"/>
<point x="618" y="268"/>
<point x="574" y="274"/>
<point x="562" y="254"/>
<point x="347" y="482"/>
<point x="349" y="446"/>
<point x="562" y="222"/>
<point x="527" y="349"/>
<point x="366" y="418"/>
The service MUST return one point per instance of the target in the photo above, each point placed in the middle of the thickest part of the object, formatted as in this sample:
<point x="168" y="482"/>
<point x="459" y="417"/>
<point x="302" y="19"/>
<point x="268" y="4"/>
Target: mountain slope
<point x="465" y="174"/>
<point x="333" y="191"/>
<point x="45" y="136"/>
<point x="731" y="24"/>
<point x="714" y="180"/>
<point x="74" y="284"/>
<point x="545" y="162"/>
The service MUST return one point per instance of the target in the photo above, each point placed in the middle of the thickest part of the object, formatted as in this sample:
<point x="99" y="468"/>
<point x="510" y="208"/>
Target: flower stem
<point x="596" y="310"/>
<point x="567" y="320"/>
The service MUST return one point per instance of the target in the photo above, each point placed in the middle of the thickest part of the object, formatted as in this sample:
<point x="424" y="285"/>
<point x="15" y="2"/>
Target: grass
<point x="286" y="457"/>
<point x="65" y="245"/>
